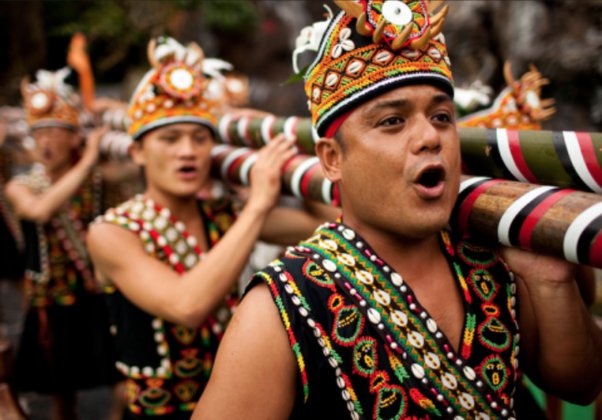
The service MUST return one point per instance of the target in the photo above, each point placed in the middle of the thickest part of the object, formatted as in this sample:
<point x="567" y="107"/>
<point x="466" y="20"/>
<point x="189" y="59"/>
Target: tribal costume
<point x="167" y="366"/>
<point x="66" y="344"/>
<point x="365" y="346"/>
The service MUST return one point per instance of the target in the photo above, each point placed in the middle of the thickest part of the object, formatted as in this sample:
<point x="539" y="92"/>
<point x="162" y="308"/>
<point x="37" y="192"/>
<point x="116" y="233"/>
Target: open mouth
<point x="431" y="177"/>
<point x="187" y="169"/>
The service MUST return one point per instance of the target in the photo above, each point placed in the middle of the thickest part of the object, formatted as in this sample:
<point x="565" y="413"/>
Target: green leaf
<point x="298" y="77"/>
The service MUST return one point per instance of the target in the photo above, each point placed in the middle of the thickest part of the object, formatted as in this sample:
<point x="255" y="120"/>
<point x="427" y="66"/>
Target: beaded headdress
<point x="519" y="106"/>
<point x="178" y="88"/>
<point x="373" y="46"/>
<point x="49" y="101"/>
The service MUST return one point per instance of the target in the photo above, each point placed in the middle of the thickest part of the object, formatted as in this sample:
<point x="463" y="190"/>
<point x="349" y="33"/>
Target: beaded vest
<point x="365" y="346"/>
<point x="167" y="366"/>
<point x="57" y="262"/>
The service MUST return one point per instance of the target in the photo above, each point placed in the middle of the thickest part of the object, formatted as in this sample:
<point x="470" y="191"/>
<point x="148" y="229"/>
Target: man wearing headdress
<point x="170" y="262"/>
<point x="65" y="345"/>
<point x="386" y="313"/>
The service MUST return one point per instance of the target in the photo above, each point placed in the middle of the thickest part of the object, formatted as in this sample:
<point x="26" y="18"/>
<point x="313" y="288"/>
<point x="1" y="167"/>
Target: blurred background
<point x="563" y="38"/>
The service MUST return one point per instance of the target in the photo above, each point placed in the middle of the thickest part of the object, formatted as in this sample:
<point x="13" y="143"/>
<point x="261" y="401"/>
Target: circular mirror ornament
<point x="40" y="102"/>
<point x="179" y="81"/>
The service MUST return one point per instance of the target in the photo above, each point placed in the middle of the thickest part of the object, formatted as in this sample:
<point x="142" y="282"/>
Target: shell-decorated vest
<point x="58" y="267"/>
<point x="365" y="346"/>
<point x="166" y="365"/>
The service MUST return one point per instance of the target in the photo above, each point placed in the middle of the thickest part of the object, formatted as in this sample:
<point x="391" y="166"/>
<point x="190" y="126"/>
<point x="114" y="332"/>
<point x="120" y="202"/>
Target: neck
<point x="406" y="255"/>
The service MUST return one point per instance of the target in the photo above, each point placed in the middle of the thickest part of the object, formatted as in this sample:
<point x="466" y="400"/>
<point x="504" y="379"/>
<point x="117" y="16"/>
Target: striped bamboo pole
<point x="565" y="159"/>
<point x="555" y="221"/>
<point x="562" y="222"/>
<point x="255" y="132"/>
<point x="302" y="175"/>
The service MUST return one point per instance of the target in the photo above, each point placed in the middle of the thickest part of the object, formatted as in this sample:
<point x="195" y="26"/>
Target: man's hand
<point x="3" y="131"/>
<point x="266" y="172"/>
<point x="538" y="269"/>
<point x="92" y="148"/>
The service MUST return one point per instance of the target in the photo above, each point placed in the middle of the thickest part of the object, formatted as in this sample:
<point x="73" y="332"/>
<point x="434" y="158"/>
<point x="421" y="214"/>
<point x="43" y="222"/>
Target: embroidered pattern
<point x="364" y="51"/>
<point x="399" y="357"/>
<point x="61" y="243"/>
<point x="183" y="356"/>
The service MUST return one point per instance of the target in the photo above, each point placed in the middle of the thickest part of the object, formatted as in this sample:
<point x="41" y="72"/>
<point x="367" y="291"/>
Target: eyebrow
<point x="394" y="103"/>
<point x="437" y="99"/>
<point x="441" y="98"/>
<point x="179" y="131"/>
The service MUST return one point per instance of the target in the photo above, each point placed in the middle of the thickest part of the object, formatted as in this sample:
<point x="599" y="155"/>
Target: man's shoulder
<point x="33" y="178"/>
<point x="287" y="265"/>
<point x="296" y="273"/>
<point x="128" y="214"/>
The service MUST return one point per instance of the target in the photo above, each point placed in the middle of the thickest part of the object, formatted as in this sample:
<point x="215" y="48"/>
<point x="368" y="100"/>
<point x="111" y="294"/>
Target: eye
<point x="200" y="138"/>
<point x="443" y="117"/>
<point x="397" y="12"/>
<point x="391" y="121"/>
<point x="168" y="139"/>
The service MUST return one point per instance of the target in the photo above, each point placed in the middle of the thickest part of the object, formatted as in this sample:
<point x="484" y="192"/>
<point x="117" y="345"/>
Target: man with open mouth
<point x="169" y="261"/>
<point x="386" y="313"/>
<point x="65" y="345"/>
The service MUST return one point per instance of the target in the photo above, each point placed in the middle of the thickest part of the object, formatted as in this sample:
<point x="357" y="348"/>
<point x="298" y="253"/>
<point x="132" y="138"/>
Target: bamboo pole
<point x="566" y="159"/>
<point x="302" y="175"/>
<point x="556" y="221"/>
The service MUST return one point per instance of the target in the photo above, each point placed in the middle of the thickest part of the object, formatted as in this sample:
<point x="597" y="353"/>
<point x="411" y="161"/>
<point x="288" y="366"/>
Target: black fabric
<point x="81" y="353"/>
<point x="331" y="307"/>
<point x="144" y="341"/>
<point x="12" y="262"/>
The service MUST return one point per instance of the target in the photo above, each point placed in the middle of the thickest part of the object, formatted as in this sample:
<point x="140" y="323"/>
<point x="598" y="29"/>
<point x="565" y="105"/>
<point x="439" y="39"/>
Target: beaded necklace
<point x="167" y="239"/>
<point x="160" y="232"/>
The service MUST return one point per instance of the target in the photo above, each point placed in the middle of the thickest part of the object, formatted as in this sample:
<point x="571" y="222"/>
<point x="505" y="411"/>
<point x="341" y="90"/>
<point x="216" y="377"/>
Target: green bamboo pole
<point x="566" y="159"/>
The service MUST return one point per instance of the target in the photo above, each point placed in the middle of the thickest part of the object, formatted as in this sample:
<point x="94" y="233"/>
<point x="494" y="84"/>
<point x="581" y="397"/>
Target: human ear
<point x="330" y="153"/>
<point x="135" y="152"/>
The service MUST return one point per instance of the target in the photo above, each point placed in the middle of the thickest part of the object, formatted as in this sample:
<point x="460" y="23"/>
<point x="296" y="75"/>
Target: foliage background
<point x="562" y="37"/>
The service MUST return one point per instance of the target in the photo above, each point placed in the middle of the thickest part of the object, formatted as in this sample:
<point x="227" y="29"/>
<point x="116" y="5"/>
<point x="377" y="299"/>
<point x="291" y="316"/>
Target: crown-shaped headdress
<point x="373" y="46"/>
<point x="49" y="101"/>
<point x="177" y="89"/>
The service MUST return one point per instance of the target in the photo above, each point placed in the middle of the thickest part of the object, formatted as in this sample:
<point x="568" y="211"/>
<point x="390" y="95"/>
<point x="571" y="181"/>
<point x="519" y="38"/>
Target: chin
<point x="187" y="193"/>
<point x="428" y="225"/>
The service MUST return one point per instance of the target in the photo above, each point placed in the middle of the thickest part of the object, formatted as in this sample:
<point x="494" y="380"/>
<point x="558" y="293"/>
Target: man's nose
<point x="41" y="140"/>
<point x="187" y="146"/>
<point x="427" y="137"/>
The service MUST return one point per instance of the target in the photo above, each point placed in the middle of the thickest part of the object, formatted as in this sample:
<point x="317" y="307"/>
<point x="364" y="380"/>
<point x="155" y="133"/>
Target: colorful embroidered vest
<point x="57" y="263"/>
<point x="166" y="365"/>
<point x="365" y="346"/>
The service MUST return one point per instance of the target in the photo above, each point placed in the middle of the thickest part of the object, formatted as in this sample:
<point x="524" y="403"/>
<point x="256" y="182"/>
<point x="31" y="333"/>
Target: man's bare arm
<point x="40" y="208"/>
<point x="188" y="299"/>
<point x="560" y="343"/>
<point x="255" y="371"/>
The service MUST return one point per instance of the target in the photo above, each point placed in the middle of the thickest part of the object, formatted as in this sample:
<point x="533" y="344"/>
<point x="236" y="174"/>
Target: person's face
<point x="398" y="162"/>
<point x="176" y="158"/>
<point x="54" y="146"/>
